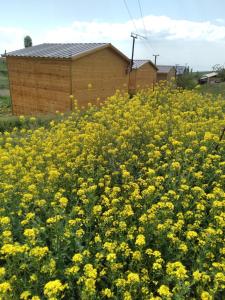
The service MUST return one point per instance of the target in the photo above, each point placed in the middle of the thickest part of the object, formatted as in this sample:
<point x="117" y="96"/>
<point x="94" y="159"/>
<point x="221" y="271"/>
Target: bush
<point x="220" y="70"/>
<point x="187" y="80"/>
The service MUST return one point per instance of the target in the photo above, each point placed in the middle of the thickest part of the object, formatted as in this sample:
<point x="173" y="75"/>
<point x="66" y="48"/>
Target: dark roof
<point x="180" y="70"/>
<point x="164" y="69"/>
<point x="140" y="62"/>
<point x="57" y="50"/>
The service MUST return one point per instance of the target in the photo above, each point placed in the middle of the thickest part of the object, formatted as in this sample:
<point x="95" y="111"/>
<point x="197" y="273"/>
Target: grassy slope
<point x="215" y="89"/>
<point x="4" y="90"/>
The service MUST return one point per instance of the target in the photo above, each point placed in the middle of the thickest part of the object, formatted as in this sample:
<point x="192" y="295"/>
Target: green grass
<point x="5" y="105"/>
<point x="215" y="89"/>
<point x="5" y="101"/>
<point x="4" y="81"/>
<point x="8" y="123"/>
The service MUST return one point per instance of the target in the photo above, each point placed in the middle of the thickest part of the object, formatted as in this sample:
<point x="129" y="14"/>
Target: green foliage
<point x="214" y="89"/>
<point x="4" y="81"/>
<point x="187" y="80"/>
<point x="27" y="41"/>
<point x="220" y="70"/>
<point x="8" y="123"/>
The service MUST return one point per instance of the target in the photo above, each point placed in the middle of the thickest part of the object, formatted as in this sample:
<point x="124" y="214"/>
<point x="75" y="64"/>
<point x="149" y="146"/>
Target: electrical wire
<point x="145" y="40"/>
<point x="147" y="43"/>
<point x="130" y="15"/>
<point x="142" y="18"/>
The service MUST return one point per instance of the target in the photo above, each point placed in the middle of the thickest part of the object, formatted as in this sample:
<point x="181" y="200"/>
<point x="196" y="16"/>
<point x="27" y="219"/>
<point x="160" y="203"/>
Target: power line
<point x="147" y="43"/>
<point x="139" y="4"/>
<point x="130" y="15"/>
<point x="144" y="39"/>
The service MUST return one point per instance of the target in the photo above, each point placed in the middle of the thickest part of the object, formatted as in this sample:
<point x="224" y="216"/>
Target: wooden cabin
<point x="43" y="77"/>
<point x="210" y="78"/>
<point x="143" y="75"/>
<point x="165" y="72"/>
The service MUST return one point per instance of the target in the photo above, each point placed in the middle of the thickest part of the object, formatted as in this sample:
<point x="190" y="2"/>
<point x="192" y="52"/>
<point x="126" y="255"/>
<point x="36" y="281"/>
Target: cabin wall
<point x="146" y="76"/>
<point x="39" y="85"/>
<point x="97" y="76"/>
<point x="161" y="76"/>
<point x="166" y="76"/>
<point x="171" y="74"/>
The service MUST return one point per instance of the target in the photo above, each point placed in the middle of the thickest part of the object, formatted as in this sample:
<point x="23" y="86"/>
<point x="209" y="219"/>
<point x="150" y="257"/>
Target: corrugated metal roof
<point x="140" y="62"/>
<point x="209" y="75"/>
<point x="180" y="70"/>
<point x="56" y="50"/>
<point x="164" y="69"/>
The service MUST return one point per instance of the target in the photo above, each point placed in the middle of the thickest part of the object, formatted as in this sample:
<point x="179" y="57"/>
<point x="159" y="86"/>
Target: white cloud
<point x="156" y="27"/>
<point x="168" y="36"/>
<point x="220" y="21"/>
<point x="11" y="38"/>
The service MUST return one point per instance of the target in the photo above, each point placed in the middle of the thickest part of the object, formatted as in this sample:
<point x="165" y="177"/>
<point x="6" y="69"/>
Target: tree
<point x="27" y="41"/>
<point x="187" y="80"/>
<point x="220" y="69"/>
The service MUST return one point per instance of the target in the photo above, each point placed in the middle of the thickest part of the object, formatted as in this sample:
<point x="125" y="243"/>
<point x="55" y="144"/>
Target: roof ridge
<point x="61" y="50"/>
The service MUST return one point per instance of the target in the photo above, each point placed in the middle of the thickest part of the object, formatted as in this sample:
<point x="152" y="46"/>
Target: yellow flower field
<point x="122" y="202"/>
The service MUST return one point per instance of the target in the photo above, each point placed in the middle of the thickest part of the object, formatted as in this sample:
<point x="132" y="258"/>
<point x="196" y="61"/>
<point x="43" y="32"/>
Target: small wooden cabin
<point x="210" y="78"/>
<point x="143" y="75"/>
<point x="43" y="77"/>
<point x="165" y="72"/>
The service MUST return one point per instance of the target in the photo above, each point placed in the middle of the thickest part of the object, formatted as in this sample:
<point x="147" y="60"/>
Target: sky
<point x="182" y="32"/>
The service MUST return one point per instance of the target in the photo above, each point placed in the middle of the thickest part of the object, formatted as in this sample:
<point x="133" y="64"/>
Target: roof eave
<point x="108" y="45"/>
<point x="147" y="62"/>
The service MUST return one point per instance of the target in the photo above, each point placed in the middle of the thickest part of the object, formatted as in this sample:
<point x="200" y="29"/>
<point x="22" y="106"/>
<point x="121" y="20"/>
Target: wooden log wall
<point x="39" y="85"/>
<point x="98" y="75"/>
<point x="146" y="76"/>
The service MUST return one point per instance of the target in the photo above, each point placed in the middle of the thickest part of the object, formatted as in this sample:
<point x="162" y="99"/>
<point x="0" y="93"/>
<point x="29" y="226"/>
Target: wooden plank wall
<point x="161" y="76"/>
<point x="104" y="71"/>
<point x="146" y="76"/>
<point x="143" y="77"/>
<point x="39" y="85"/>
<point x="166" y="76"/>
<point x="171" y="74"/>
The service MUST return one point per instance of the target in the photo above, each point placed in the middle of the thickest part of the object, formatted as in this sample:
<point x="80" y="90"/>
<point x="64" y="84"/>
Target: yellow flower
<point x="25" y="295"/>
<point x="107" y="293"/>
<point x="205" y="296"/>
<point x="175" y="165"/>
<point x="89" y="271"/>
<point x="197" y="275"/>
<point x="191" y="234"/>
<point x="2" y="272"/>
<point x="54" y="288"/>
<point x="176" y="269"/>
<point x="133" y="278"/>
<point x="127" y="296"/>
<point x="5" y="288"/>
<point x="140" y="240"/>
<point x="164" y="291"/>
<point x="63" y="201"/>
<point x="77" y="258"/>
<point x="111" y="257"/>
<point x="39" y="252"/>
<point x="90" y="285"/>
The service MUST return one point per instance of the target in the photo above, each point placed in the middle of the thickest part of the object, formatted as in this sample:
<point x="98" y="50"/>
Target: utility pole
<point x="176" y="70"/>
<point x="130" y="80"/>
<point x="134" y="37"/>
<point x="155" y="55"/>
